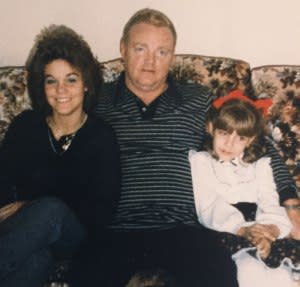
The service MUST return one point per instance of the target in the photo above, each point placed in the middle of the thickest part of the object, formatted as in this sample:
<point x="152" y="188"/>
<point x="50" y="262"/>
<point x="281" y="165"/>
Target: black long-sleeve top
<point x="86" y="176"/>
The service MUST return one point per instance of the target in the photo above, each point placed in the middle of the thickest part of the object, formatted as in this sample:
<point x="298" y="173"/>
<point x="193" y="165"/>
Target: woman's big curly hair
<point x="60" y="42"/>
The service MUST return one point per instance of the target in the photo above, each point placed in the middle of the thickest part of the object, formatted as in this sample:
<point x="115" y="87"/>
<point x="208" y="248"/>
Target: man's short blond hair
<point x="148" y="16"/>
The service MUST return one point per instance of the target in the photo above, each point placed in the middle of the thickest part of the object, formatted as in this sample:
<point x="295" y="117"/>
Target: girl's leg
<point x="233" y="243"/>
<point x="251" y="272"/>
<point x="40" y="224"/>
<point x="283" y="249"/>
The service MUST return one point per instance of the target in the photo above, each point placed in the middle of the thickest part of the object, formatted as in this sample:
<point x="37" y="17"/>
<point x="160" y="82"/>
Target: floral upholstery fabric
<point x="282" y="85"/>
<point x="13" y="95"/>
<point x="220" y="74"/>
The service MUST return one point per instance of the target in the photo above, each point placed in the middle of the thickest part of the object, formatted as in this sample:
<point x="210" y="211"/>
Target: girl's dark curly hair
<point x="244" y="118"/>
<point x="60" y="42"/>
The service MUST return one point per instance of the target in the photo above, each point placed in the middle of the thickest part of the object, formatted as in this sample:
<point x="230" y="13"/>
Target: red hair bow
<point x="261" y="104"/>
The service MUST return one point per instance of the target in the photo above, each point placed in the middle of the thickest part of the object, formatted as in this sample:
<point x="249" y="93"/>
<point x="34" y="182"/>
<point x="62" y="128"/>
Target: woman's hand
<point x="10" y="209"/>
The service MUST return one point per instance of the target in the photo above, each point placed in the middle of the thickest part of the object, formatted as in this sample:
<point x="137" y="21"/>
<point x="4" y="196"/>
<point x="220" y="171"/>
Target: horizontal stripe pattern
<point x="156" y="179"/>
<point x="285" y="185"/>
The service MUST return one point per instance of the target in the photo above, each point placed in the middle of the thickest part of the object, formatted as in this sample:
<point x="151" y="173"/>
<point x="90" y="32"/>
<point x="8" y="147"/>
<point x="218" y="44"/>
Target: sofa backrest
<point x="275" y="80"/>
<point x="280" y="83"/>
<point x="221" y="74"/>
<point x="13" y="95"/>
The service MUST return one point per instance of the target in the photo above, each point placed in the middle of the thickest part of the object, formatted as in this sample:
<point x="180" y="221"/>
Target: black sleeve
<point x="285" y="184"/>
<point x="9" y="155"/>
<point x="104" y="187"/>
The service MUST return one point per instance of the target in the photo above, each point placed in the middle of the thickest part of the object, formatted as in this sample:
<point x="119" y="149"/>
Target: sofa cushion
<point x="281" y="83"/>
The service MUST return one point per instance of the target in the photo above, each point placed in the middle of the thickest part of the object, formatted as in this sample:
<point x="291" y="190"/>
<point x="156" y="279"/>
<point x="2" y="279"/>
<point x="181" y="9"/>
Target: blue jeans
<point x="32" y="239"/>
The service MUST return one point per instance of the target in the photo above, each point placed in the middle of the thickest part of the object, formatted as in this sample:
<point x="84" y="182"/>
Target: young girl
<point x="235" y="194"/>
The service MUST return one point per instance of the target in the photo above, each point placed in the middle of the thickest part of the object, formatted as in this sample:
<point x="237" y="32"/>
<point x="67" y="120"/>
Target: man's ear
<point x="122" y="48"/>
<point x="172" y="64"/>
<point x="173" y="59"/>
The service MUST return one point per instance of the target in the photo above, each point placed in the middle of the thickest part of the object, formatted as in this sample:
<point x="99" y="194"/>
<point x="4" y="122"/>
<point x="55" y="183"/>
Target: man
<point x="157" y="121"/>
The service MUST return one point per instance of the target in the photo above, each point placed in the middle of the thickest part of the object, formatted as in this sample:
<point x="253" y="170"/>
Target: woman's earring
<point x="85" y="92"/>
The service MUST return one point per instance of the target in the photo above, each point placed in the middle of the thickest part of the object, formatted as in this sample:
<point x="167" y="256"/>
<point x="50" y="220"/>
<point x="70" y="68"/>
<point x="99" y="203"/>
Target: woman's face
<point x="64" y="88"/>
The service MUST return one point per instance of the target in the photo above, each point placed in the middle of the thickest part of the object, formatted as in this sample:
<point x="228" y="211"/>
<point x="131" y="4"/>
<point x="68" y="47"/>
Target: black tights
<point x="281" y="248"/>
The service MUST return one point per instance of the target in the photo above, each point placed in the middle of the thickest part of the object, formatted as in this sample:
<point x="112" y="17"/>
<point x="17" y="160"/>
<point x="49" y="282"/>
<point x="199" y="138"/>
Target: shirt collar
<point x="170" y="98"/>
<point x="237" y="161"/>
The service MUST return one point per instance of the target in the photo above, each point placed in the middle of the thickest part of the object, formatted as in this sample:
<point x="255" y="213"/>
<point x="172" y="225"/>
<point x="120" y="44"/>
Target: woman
<point x="60" y="161"/>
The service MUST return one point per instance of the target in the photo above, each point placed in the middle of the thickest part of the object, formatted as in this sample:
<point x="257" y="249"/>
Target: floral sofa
<point x="279" y="83"/>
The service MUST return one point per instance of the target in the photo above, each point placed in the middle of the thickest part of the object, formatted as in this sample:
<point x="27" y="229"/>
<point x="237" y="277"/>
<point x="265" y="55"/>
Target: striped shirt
<point x="156" y="179"/>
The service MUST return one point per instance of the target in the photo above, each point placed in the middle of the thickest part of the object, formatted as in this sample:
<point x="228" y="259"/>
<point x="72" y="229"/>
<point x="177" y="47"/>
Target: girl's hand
<point x="263" y="247"/>
<point x="256" y="232"/>
<point x="259" y="235"/>
<point x="268" y="231"/>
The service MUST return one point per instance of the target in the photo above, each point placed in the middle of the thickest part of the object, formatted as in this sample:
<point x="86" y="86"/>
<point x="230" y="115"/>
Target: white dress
<point x="217" y="185"/>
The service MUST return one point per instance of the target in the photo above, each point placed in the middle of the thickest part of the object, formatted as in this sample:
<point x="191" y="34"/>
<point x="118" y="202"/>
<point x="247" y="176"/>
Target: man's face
<point x="148" y="55"/>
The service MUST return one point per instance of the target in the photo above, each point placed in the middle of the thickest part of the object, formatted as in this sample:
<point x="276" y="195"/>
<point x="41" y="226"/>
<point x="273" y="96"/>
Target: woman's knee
<point x="34" y="272"/>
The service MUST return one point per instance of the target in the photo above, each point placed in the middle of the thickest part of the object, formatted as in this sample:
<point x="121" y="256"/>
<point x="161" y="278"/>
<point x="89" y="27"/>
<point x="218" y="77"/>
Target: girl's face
<point x="229" y="146"/>
<point x="64" y="88"/>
